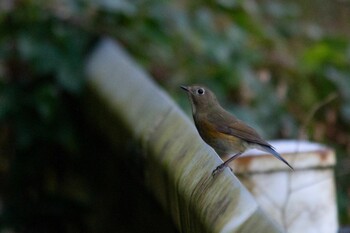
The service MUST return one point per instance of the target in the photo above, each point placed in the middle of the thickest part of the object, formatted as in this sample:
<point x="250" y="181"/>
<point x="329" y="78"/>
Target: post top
<point x="300" y="154"/>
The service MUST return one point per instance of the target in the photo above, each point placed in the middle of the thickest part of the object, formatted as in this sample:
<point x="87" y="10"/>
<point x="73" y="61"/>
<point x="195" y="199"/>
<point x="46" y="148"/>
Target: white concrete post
<point x="303" y="200"/>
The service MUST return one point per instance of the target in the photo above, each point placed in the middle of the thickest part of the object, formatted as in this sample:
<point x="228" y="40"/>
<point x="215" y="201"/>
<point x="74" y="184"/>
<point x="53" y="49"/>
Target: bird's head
<point x="202" y="99"/>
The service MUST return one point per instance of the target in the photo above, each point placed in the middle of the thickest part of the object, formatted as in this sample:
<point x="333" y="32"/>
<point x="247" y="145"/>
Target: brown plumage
<point x="221" y="130"/>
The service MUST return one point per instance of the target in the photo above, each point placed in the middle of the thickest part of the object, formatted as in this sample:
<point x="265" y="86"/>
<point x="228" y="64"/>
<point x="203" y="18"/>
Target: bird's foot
<point x="219" y="169"/>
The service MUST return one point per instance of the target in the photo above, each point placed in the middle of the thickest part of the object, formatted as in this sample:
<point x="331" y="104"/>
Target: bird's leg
<point x="222" y="166"/>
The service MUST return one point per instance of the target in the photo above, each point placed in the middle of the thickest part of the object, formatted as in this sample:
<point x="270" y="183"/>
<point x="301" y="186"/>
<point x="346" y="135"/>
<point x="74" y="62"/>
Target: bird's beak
<point x="185" y="88"/>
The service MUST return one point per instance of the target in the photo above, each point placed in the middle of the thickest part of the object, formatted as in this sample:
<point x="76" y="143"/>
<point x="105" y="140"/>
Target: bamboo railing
<point x="177" y="163"/>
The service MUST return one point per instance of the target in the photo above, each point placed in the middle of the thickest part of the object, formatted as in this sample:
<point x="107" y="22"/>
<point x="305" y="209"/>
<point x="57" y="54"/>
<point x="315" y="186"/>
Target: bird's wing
<point x="227" y="124"/>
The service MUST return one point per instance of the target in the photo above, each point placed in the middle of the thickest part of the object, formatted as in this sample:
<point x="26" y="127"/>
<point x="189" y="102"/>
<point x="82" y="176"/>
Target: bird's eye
<point x="200" y="91"/>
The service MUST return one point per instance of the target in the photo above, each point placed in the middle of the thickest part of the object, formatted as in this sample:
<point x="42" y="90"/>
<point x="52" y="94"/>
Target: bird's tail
<point x="272" y="151"/>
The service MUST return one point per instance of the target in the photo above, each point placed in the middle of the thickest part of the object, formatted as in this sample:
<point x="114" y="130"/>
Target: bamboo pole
<point x="177" y="163"/>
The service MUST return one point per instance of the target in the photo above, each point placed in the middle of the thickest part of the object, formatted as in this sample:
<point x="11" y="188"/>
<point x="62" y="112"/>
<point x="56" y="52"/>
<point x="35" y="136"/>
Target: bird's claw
<point x="218" y="169"/>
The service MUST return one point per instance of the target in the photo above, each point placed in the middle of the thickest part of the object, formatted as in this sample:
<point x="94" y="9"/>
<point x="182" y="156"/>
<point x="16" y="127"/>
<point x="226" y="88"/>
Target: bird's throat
<point x="193" y="105"/>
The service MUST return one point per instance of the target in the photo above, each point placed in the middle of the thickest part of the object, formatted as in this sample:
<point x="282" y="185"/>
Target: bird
<point x="223" y="131"/>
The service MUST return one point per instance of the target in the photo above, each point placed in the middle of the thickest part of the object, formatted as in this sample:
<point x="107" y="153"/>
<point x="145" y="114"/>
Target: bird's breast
<point x="223" y="144"/>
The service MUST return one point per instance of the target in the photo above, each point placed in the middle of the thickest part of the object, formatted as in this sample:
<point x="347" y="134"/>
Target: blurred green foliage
<point x="265" y="60"/>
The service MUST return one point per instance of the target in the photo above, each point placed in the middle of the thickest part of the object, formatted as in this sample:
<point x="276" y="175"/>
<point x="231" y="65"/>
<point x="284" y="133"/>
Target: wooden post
<point x="178" y="164"/>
